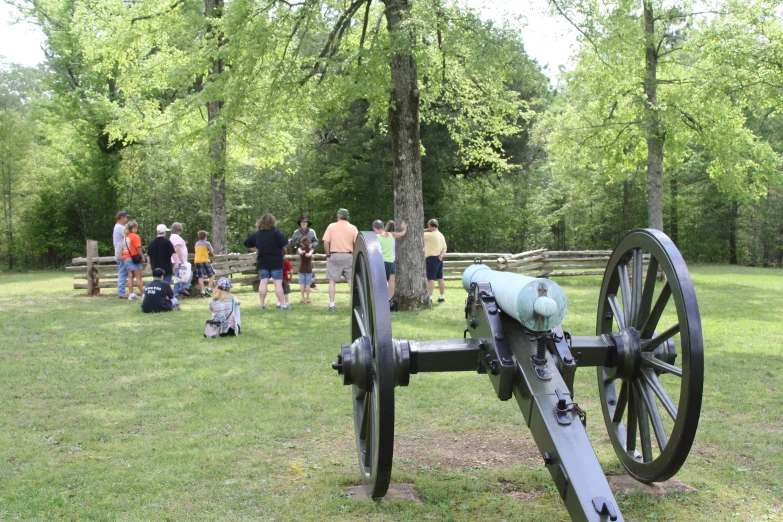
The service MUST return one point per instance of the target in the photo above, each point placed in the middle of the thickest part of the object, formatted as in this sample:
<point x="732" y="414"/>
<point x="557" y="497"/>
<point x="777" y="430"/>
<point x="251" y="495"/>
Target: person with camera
<point x="132" y="257"/>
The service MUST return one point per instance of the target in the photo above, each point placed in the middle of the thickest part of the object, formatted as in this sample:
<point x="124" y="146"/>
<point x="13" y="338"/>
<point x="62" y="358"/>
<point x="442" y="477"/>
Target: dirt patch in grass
<point x="452" y="451"/>
<point x="518" y="494"/>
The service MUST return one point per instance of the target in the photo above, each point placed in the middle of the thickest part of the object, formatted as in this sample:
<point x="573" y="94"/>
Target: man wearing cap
<point x="118" y="238"/>
<point x="159" y="253"/>
<point x="434" y="250"/>
<point x="158" y="295"/>
<point x="304" y="230"/>
<point x="339" y="239"/>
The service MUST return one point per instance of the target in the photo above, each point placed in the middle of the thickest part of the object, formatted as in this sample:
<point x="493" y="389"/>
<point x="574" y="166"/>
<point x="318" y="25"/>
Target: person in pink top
<point x="339" y="239"/>
<point x="179" y="259"/>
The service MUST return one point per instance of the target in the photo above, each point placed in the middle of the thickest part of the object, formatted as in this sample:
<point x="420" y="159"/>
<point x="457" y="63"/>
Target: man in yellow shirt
<point x="339" y="239"/>
<point x="434" y="250"/>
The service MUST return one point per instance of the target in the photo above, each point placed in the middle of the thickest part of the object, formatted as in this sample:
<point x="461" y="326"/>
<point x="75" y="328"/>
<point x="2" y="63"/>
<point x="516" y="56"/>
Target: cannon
<point x="647" y="350"/>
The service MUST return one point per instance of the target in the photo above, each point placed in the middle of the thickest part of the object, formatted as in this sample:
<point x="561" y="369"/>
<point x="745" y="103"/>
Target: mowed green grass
<point x="110" y="414"/>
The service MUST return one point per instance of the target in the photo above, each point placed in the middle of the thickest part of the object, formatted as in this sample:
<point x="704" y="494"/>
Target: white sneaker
<point x="261" y="306"/>
<point x="134" y="297"/>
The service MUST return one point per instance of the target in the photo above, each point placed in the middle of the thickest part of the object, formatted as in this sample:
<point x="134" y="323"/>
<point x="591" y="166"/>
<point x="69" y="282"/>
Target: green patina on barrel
<point x="539" y="304"/>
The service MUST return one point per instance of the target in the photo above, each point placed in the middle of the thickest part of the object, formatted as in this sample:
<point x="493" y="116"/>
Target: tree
<point x="642" y="92"/>
<point x="465" y="85"/>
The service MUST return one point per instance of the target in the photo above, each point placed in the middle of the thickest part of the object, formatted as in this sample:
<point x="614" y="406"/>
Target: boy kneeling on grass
<point x="158" y="295"/>
<point x="201" y="265"/>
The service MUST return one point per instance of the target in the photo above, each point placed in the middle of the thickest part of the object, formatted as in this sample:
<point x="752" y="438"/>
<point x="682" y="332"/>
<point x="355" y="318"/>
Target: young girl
<point x="225" y="308"/>
<point x="305" y="252"/>
<point x="132" y="247"/>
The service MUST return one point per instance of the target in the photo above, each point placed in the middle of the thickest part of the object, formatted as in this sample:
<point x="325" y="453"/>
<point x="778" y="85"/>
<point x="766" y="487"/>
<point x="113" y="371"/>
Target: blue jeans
<point x="179" y="286"/>
<point x="122" y="278"/>
<point x="263" y="273"/>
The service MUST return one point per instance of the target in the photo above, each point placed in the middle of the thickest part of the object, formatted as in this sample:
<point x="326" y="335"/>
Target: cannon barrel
<point x="538" y="303"/>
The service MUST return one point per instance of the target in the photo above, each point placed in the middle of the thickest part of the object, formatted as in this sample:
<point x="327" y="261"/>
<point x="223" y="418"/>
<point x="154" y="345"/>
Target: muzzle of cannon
<point x="647" y="350"/>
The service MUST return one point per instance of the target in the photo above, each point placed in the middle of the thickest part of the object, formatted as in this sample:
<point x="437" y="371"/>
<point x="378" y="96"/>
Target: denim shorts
<point x="131" y="266"/>
<point x="277" y="275"/>
<point x="305" y="279"/>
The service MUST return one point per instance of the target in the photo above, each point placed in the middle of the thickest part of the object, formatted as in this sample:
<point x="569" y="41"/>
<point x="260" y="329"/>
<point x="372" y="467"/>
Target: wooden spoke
<point x="622" y="401"/>
<point x="625" y="289"/>
<point x="365" y="417"/>
<point x="360" y="320"/>
<point x="642" y="416"/>
<point x="652" y="362"/>
<point x="654" y="415"/>
<point x="651" y="344"/>
<point x="617" y="311"/>
<point x="647" y="294"/>
<point x="636" y="287"/>
<point x="655" y="385"/>
<point x="368" y="456"/>
<point x="630" y="426"/>
<point x="652" y="321"/>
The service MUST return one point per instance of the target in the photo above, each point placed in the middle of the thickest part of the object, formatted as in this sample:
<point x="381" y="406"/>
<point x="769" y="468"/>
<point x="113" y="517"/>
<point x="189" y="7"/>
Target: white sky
<point x="547" y="39"/>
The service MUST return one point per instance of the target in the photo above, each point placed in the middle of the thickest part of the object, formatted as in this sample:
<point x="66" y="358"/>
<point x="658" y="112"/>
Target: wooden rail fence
<point x="95" y="272"/>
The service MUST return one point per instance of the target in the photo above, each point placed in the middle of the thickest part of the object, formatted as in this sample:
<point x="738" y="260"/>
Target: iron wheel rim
<point x="644" y="393"/>
<point x="374" y="409"/>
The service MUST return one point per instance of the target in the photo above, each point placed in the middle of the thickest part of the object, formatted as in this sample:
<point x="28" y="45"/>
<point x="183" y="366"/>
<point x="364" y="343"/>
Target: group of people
<point x="170" y="254"/>
<point x="167" y="258"/>
<point x="270" y="245"/>
<point x="339" y="239"/>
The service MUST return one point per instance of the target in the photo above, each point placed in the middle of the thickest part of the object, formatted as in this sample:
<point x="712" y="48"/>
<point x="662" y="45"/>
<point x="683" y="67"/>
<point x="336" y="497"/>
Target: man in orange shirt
<point x="339" y="239"/>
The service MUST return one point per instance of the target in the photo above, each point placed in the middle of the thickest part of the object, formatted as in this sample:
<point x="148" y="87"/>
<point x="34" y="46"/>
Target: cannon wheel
<point x="373" y="410"/>
<point x="657" y="377"/>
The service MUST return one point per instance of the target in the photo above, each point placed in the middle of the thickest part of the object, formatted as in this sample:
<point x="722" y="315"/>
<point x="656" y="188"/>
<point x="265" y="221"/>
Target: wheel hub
<point x="354" y="363"/>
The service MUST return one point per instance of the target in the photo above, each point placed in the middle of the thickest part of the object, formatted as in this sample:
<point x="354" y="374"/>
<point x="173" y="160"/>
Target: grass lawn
<point x="110" y="414"/>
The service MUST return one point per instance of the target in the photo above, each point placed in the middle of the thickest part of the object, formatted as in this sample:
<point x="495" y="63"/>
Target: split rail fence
<point x="95" y="272"/>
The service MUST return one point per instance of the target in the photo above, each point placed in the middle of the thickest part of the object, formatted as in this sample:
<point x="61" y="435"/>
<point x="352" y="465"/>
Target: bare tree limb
<point x="151" y="16"/>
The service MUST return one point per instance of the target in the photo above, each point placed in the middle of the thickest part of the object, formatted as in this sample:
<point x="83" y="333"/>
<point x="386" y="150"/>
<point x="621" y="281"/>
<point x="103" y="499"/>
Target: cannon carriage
<point x="647" y="351"/>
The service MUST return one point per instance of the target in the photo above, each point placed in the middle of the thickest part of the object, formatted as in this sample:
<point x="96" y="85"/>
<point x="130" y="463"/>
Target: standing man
<point x="179" y="259"/>
<point x="434" y="250"/>
<point x="159" y="253"/>
<point x="339" y="239"/>
<point x="119" y="237"/>
<point x="304" y="230"/>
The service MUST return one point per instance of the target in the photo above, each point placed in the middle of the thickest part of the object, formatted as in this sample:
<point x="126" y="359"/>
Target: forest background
<point x="153" y="108"/>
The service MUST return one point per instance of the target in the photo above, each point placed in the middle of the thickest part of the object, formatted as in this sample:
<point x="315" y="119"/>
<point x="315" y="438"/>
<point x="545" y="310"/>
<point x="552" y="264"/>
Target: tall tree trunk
<point x="217" y="146"/>
<point x="626" y="205"/>
<point x="733" y="233"/>
<point x="674" y="211"/>
<point x="411" y="289"/>
<point x="654" y="129"/>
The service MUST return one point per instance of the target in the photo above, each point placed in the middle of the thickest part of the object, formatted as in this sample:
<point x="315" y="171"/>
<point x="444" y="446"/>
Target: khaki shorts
<point x="339" y="264"/>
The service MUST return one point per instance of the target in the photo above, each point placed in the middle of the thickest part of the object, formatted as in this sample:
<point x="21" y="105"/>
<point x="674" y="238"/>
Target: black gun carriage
<point x="647" y="351"/>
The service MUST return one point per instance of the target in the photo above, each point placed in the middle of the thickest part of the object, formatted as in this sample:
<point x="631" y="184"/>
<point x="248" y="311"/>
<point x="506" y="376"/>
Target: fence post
<point x="93" y="276"/>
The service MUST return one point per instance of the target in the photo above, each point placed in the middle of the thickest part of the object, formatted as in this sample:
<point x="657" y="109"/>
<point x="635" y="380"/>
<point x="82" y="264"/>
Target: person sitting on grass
<point x="201" y="265"/>
<point x="225" y="308"/>
<point x="158" y="295"/>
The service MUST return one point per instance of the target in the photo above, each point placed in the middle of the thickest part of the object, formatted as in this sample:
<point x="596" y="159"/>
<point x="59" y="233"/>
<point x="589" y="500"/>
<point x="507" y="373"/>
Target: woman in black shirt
<point x="269" y="242"/>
